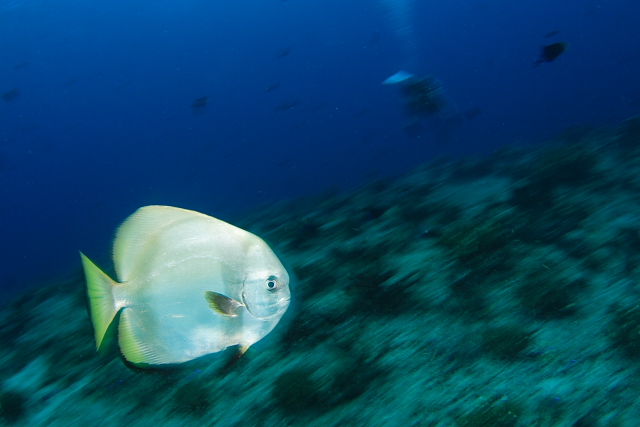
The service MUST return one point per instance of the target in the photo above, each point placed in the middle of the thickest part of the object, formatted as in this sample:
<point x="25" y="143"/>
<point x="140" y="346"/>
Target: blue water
<point x="103" y="122"/>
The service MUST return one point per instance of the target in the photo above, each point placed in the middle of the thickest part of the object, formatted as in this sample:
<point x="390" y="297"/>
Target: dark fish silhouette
<point x="284" y="52"/>
<point x="552" y="33"/>
<point x="10" y="95"/>
<point x="199" y="106"/>
<point x="360" y="113"/>
<point x="286" y="105"/>
<point x="70" y="82"/>
<point x="21" y="65"/>
<point x="551" y="52"/>
<point x="472" y="113"/>
<point x="272" y="86"/>
<point x="200" y="102"/>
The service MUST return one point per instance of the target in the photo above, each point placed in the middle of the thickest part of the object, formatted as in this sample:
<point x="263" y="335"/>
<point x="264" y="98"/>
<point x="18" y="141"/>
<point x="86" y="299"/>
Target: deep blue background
<point x="103" y="123"/>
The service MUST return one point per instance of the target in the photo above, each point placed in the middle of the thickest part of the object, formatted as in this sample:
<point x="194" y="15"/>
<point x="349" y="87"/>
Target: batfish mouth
<point x="280" y="308"/>
<point x="284" y="302"/>
<point x="283" y="305"/>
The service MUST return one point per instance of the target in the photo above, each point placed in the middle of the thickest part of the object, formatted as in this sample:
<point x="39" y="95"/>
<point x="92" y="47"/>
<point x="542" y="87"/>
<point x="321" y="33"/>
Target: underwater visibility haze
<point x="97" y="115"/>
<point x="452" y="187"/>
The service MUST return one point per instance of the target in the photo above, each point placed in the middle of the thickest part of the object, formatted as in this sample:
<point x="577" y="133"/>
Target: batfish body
<point x="188" y="285"/>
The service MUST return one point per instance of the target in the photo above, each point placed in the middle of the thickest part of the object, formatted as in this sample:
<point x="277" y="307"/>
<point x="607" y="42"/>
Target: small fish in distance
<point x="286" y="105"/>
<point x="10" y="95"/>
<point x="272" y="86"/>
<point x="199" y="106"/>
<point x="71" y="82"/>
<point x="551" y="52"/>
<point x="21" y="65"/>
<point x="284" y="52"/>
<point x="200" y="102"/>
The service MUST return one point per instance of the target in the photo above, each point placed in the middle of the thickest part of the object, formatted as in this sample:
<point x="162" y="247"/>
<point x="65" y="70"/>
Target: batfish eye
<point x="272" y="283"/>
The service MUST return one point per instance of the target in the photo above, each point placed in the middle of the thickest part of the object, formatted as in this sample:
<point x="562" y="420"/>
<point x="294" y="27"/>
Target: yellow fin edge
<point x="222" y="304"/>
<point x="133" y="346"/>
<point x="101" y="302"/>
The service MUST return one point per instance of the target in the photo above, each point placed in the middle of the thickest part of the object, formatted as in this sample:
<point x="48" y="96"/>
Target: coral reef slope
<point x="480" y="292"/>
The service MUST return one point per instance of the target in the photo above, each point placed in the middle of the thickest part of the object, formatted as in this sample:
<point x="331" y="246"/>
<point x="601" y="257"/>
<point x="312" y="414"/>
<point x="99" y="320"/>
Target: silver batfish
<point x="189" y="285"/>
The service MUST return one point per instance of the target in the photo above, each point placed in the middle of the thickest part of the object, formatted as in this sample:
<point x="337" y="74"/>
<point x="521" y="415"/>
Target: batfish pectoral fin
<point x="222" y="304"/>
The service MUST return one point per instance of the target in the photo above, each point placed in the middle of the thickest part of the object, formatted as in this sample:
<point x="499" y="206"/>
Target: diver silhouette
<point x="426" y="103"/>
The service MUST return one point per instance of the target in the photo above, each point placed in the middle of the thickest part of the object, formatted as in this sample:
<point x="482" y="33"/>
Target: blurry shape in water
<point x="190" y="285"/>
<point x="286" y="105"/>
<point x="425" y="100"/>
<point x="284" y="52"/>
<point x="199" y="105"/>
<point x="71" y="82"/>
<point x="398" y="77"/>
<point x="272" y="86"/>
<point x="552" y="33"/>
<point x="10" y="95"/>
<point x="401" y="13"/>
<point x="23" y="64"/>
<point x="550" y="52"/>
<point x="473" y="112"/>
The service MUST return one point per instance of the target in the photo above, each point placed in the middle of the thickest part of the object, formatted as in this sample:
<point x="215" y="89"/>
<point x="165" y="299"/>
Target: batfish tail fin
<point x="102" y="305"/>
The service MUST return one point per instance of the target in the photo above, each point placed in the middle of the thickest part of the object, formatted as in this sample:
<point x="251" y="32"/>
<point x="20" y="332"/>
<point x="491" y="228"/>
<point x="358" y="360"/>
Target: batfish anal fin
<point x="134" y="344"/>
<point x="222" y="304"/>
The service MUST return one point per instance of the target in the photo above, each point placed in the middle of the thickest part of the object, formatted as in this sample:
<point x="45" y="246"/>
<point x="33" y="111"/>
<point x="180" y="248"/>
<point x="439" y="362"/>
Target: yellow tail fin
<point x="102" y="305"/>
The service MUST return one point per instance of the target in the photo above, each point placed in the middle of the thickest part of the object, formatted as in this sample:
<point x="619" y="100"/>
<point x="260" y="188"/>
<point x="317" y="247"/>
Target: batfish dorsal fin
<point x="222" y="304"/>
<point x="142" y="229"/>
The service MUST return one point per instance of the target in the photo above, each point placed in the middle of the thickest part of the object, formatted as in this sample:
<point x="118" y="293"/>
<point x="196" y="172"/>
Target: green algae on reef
<point x="499" y="291"/>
